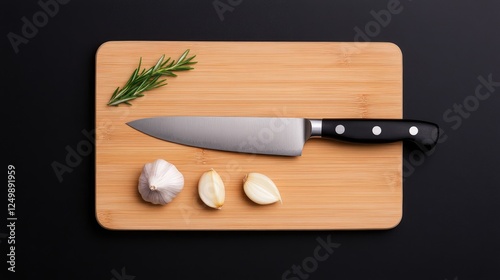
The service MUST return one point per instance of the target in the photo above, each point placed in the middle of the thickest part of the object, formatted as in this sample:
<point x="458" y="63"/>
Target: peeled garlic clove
<point x="211" y="189"/>
<point x="261" y="189"/>
<point x="160" y="182"/>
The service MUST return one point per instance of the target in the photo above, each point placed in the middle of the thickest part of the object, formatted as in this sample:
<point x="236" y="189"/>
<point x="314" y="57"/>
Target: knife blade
<point x="281" y="136"/>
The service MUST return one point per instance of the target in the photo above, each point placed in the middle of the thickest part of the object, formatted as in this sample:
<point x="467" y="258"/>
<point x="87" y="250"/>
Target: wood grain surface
<point x="332" y="185"/>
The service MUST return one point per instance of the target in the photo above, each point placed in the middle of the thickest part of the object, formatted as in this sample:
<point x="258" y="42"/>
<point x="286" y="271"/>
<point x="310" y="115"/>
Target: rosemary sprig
<point x="150" y="79"/>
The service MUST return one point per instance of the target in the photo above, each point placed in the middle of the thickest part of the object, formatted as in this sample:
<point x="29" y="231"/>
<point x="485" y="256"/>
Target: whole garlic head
<point x="160" y="182"/>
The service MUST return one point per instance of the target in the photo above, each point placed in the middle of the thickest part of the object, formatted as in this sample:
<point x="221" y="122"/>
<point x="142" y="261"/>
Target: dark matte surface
<point x="450" y="222"/>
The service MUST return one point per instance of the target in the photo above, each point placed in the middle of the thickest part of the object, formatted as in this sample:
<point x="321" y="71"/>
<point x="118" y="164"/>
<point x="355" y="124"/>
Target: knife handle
<point x="425" y="134"/>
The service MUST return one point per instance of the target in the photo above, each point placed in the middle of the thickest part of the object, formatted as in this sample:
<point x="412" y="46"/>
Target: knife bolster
<point x="316" y="127"/>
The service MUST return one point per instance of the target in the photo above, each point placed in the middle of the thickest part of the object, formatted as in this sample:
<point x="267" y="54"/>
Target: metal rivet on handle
<point x="413" y="130"/>
<point x="339" y="129"/>
<point x="376" y="130"/>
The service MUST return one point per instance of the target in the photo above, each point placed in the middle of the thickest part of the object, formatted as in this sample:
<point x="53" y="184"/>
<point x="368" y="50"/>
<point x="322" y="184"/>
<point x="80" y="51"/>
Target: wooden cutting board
<point x="331" y="186"/>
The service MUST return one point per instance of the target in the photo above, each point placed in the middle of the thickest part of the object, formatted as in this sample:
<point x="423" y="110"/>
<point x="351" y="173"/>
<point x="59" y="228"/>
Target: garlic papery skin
<point x="261" y="189"/>
<point x="160" y="182"/>
<point x="211" y="189"/>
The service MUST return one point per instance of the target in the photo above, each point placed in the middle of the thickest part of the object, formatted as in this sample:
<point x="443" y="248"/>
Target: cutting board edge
<point x="108" y="225"/>
<point x="391" y="226"/>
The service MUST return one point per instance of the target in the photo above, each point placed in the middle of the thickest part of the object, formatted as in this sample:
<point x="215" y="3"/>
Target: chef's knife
<point x="281" y="136"/>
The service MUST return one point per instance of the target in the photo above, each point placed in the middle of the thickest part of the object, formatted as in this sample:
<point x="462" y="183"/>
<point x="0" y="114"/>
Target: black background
<point x="450" y="227"/>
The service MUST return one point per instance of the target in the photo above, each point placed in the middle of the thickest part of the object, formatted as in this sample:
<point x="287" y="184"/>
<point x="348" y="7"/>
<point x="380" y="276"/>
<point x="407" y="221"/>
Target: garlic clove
<point x="211" y="189"/>
<point x="160" y="182"/>
<point x="261" y="189"/>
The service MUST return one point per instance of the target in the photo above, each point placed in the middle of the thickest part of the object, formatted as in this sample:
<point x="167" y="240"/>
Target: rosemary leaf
<point x="144" y="80"/>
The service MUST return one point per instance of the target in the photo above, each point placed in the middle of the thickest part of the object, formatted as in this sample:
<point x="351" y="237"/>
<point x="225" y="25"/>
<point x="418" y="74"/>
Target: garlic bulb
<point x="261" y="189"/>
<point x="160" y="182"/>
<point x="211" y="189"/>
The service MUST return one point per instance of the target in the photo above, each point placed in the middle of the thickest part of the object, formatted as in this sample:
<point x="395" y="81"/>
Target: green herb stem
<point x="149" y="79"/>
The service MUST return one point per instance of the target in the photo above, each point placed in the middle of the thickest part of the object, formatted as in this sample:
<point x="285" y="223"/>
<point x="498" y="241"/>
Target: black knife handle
<point x="422" y="133"/>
